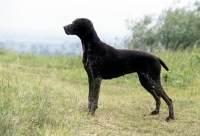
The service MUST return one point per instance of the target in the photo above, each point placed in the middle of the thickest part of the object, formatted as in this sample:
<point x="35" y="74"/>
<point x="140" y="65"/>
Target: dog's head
<point x="80" y="27"/>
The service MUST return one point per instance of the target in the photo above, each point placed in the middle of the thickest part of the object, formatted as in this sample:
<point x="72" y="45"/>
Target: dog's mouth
<point x="67" y="31"/>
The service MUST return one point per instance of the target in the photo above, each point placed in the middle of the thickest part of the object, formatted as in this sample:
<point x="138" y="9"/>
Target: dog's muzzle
<point x="66" y="28"/>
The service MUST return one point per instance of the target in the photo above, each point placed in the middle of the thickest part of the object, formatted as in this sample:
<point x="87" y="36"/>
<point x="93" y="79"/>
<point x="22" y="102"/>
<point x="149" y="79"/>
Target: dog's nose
<point x="65" y="27"/>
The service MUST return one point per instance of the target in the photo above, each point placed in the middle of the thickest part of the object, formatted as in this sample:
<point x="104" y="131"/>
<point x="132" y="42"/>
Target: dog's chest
<point x="91" y="59"/>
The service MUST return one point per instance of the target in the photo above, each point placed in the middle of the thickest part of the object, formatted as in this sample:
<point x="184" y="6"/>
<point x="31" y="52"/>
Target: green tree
<point x="175" y="28"/>
<point x="142" y="33"/>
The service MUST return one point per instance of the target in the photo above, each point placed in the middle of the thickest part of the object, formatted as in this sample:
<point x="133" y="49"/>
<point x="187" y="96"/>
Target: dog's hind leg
<point x="170" y="105"/>
<point x="145" y="83"/>
<point x="155" y="84"/>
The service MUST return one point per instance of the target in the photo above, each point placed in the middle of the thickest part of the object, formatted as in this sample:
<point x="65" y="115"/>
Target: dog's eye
<point x="74" y="22"/>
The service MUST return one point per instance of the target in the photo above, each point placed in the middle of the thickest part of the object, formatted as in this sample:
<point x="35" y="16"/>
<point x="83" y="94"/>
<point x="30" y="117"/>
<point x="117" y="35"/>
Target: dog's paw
<point x="92" y="108"/>
<point x="154" y="112"/>
<point x="169" y="118"/>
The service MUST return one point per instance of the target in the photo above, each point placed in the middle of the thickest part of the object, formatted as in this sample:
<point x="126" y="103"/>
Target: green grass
<point x="47" y="96"/>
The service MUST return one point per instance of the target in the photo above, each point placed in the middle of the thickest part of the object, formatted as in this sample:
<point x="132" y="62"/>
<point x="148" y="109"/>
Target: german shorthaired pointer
<point x="102" y="61"/>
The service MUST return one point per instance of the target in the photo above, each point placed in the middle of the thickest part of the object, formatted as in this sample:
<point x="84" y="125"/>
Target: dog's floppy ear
<point x="88" y="26"/>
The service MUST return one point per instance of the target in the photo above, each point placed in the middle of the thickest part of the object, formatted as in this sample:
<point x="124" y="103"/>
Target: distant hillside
<point x="41" y="45"/>
<point x="48" y="45"/>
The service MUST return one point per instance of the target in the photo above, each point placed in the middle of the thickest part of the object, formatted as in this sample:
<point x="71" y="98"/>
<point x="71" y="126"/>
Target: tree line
<point x="175" y="28"/>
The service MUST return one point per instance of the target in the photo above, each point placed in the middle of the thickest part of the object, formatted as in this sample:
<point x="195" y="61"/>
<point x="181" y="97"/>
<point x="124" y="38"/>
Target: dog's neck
<point x="89" y="41"/>
<point x="90" y="37"/>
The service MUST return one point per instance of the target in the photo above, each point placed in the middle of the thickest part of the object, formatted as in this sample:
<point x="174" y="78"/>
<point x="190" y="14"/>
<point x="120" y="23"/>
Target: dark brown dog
<point x="102" y="61"/>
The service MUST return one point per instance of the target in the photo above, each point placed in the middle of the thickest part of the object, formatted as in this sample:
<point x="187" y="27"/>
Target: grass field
<point x="47" y="96"/>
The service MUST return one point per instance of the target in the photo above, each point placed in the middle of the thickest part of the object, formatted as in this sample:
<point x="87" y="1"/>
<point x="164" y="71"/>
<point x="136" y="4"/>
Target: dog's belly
<point x="111" y="75"/>
<point x="114" y="72"/>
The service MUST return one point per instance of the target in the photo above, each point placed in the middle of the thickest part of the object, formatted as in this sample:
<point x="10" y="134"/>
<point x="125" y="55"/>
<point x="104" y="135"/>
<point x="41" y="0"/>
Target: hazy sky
<point x="49" y="16"/>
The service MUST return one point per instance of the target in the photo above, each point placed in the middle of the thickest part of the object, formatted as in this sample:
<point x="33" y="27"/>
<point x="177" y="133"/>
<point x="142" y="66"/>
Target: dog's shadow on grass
<point x="145" y="116"/>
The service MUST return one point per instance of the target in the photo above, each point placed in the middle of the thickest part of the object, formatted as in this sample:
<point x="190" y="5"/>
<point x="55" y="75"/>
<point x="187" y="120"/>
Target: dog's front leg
<point x="94" y="89"/>
<point x="89" y="95"/>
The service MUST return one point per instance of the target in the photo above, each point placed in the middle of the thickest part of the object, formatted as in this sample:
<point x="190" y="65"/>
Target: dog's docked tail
<point x="163" y="64"/>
